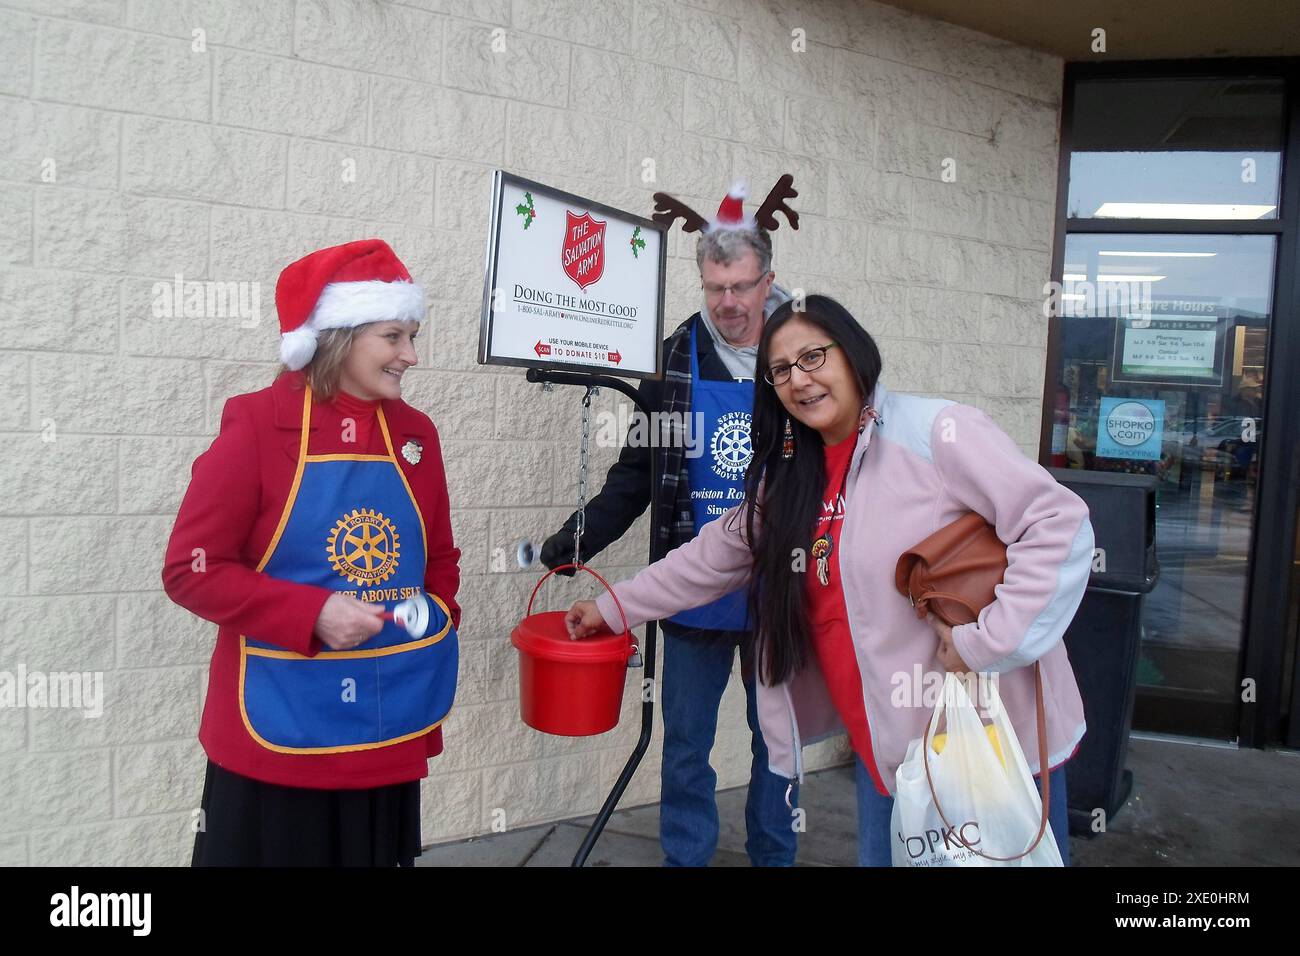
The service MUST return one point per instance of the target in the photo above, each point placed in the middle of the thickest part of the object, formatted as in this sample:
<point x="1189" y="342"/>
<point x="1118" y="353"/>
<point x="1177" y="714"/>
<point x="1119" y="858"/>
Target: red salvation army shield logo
<point x="584" y="249"/>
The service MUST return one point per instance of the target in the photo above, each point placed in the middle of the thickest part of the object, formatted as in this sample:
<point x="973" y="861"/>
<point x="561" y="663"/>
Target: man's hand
<point x="558" y="550"/>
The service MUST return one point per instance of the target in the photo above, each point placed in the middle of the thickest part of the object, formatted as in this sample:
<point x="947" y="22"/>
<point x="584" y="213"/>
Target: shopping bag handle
<point x="1043" y="776"/>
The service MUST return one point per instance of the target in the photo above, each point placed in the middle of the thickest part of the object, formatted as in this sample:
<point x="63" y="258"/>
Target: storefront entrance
<point x="1172" y="353"/>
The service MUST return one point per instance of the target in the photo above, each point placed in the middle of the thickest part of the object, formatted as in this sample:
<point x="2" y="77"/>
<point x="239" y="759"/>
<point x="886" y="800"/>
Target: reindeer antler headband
<point x="731" y="213"/>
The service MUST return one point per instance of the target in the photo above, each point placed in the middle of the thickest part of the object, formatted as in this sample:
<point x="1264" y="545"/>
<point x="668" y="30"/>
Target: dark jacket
<point x="626" y="492"/>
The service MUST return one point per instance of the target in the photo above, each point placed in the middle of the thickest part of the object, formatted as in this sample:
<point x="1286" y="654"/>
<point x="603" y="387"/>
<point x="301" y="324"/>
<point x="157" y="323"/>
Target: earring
<point x="787" y="446"/>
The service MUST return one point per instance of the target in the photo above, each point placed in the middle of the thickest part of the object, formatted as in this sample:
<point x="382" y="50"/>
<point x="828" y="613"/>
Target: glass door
<point x="1163" y="369"/>
<point x="1166" y="278"/>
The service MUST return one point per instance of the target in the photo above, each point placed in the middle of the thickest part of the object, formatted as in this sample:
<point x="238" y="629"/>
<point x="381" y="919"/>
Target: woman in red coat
<point x="321" y="504"/>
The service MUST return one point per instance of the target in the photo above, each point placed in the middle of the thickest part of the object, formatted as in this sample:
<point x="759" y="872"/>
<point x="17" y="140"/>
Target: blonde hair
<point x="326" y="366"/>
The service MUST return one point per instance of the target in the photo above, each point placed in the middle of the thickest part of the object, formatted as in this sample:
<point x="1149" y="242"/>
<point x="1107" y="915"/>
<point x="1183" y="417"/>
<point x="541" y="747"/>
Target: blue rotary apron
<point x="718" y="479"/>
<point x="351" y="524"/>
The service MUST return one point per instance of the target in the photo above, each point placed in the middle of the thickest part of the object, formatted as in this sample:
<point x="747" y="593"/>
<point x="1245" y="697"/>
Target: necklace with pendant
<point x="825" y="542"/>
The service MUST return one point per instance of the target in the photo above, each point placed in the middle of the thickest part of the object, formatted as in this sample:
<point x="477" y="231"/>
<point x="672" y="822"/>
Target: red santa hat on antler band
<point x="338" y="288"/>
<point x="731" y="213"/>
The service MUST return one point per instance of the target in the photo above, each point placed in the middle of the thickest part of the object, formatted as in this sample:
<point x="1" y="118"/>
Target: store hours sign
<point x="570" y="283"/>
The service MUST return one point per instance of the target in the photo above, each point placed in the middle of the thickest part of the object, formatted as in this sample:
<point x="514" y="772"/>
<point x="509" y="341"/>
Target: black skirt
<point x="249" y="823"/>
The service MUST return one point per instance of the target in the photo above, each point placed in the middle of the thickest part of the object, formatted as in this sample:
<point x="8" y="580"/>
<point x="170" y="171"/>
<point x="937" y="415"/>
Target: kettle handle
<point x="596" y="575"/>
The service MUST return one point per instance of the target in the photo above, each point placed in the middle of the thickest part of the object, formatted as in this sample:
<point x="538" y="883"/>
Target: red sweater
<point x="237" y="492"/>
<point x="829" y="620"/>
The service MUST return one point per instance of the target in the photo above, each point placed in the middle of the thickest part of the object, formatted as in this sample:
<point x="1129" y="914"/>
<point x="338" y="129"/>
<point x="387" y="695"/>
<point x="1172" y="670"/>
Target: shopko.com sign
<point x="1131" y="428"/>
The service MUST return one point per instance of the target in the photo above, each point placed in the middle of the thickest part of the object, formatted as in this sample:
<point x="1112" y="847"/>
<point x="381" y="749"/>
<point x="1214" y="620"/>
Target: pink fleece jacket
<point x="924" y="463"/>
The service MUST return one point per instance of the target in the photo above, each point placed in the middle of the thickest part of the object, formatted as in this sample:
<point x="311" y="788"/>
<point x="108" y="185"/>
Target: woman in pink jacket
<point x="846" y="477"/>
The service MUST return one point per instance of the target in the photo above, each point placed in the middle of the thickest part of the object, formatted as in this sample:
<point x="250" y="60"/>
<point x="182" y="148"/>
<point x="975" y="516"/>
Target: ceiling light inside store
<point x="1163" y="255"/>
<point x="1180" y="210"/>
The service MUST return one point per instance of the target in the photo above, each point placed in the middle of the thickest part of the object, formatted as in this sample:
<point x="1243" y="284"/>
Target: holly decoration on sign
<point x="526" y="210"/>
<point x="637" y="243"/>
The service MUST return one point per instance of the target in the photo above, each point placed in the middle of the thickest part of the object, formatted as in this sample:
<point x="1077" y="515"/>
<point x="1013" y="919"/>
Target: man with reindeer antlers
<point x="708" y="384"/>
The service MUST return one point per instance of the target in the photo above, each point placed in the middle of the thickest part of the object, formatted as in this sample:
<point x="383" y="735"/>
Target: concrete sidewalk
<point x="1192" y="805"/>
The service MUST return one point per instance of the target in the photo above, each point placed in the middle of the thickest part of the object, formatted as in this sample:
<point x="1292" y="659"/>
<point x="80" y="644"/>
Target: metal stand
<point x="649" y="645"/>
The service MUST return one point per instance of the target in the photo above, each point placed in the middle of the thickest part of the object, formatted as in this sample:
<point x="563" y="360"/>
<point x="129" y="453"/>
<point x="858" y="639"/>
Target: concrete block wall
<point x="143" y="139"/>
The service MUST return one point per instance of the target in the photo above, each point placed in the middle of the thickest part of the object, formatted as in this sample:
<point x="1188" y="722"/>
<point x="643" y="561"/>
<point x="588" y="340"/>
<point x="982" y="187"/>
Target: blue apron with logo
<point x="351" y="524"/>
<point x="718" y="479"/>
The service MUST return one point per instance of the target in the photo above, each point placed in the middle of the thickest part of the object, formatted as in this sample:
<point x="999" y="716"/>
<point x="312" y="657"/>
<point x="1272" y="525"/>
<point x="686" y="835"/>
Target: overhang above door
<point x="1151" y="29"/>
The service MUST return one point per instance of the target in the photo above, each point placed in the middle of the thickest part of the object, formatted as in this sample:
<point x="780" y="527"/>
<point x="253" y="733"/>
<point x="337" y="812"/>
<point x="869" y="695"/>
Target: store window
<point x="1161" y="353"/>
<point x="1176" y="149"/>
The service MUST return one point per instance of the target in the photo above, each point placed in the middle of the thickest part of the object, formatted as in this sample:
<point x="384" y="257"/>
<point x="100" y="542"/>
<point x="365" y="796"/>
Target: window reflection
<point x="1176" y="149"/>
<point x="1167" y="379"/>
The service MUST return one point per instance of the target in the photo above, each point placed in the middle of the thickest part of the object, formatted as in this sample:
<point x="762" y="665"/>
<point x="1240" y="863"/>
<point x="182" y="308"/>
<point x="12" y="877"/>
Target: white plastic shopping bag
<point x="983" y="784"/>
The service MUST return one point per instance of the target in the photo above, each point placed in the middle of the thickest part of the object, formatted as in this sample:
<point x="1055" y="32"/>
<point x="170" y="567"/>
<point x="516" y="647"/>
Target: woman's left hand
<point x="948" y="655"/>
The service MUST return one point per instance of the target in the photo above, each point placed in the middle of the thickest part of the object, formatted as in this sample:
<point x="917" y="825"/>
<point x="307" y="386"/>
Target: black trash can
<point x="1105" y="636"/>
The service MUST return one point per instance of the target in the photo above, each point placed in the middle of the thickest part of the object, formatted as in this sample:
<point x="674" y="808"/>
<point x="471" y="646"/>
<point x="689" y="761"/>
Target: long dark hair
<point x="780" y="527"/>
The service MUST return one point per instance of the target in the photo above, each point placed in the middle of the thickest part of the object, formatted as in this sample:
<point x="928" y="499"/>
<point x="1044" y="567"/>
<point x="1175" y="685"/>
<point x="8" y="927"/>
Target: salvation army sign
<point x="570" y="283"/>
<point x="584" y="248"/>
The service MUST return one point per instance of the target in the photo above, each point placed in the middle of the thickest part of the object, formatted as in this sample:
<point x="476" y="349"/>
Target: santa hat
<point x="342" y="287"/>
<point x="731" y="211"/>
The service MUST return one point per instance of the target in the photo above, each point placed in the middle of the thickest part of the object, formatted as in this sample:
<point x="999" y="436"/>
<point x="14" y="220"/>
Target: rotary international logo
<point x="363" y="547"/>
<point x="731" y="446"/>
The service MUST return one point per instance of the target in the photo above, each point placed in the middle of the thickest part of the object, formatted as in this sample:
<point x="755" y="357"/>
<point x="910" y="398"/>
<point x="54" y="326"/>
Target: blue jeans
<point x="874" y="812"/>
<point x="696" y="670"/>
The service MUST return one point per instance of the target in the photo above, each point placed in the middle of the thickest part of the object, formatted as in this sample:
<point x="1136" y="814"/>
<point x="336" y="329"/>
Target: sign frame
<point x="1171" y="379"/>
<point x="500" y="180"/>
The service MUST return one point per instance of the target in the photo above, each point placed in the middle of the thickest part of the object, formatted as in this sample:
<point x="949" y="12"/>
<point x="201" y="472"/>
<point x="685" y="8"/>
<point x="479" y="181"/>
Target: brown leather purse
<point x="952" y="574"/>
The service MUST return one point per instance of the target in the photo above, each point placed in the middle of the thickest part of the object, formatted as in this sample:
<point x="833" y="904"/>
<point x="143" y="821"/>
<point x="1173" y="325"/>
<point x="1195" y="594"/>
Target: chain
<point x="582" y="476"/>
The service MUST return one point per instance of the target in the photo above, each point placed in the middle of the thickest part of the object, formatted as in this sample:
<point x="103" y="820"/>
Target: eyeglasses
<point x="715" y="291"/>
<point x="810" y="361"/>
